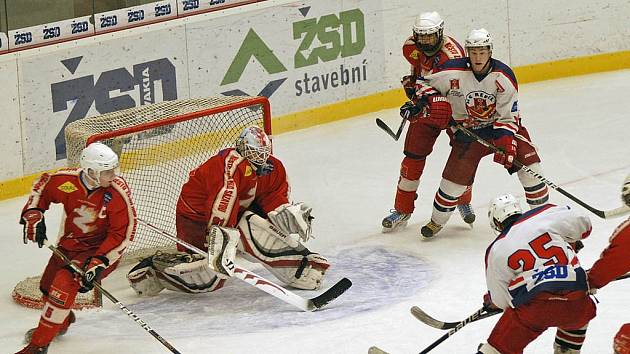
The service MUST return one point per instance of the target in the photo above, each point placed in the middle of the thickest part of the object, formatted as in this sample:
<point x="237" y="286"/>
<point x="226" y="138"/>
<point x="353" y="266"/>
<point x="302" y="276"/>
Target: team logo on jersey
<point x="415" y="54"/>
<point x="499" y="87"/>
<point x="480" y="105"/>
<point x="248" y="171"/>
<point x="514" y="107"/>
<point x="454" y="84"/>
<point x="67" y="187"/>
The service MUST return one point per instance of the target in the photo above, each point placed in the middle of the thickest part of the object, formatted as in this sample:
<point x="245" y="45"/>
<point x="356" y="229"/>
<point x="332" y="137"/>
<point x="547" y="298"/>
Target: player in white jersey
<point x="483" y="94"/>
<point x="533" y="274"/>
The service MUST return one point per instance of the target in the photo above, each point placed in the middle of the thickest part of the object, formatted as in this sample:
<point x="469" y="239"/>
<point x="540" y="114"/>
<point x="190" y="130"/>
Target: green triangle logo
<point x="252" y="46"/>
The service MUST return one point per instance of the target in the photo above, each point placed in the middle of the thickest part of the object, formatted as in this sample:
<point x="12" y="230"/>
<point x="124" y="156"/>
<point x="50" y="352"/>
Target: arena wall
<point x="317" y="60"/>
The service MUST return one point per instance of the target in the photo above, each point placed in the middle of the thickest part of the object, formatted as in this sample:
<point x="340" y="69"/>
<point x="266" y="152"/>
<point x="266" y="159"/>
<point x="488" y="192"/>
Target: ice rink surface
<point x="348" y="171"/>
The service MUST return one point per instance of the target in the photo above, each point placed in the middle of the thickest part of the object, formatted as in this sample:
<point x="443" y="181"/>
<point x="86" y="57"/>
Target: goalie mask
<point x="428" y="32"/>
<point x="625" y="191"/>
<point x="102" y="161"/>
<point x="254" y="145"/>
<point x="502" y="208"/>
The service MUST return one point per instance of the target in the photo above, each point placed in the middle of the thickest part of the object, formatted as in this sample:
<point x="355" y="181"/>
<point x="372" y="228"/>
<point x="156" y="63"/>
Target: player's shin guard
<point x="295" y="266"/>
<point x="536" y="192"/>
<point x="445" y="201"/>
<point x="408" y="182"/>
<point x="56" y="312"/>
<point x="569" y="341"/>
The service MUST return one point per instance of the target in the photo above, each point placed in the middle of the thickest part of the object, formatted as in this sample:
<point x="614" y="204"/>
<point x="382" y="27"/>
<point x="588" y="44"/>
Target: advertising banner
<point x="301" y="55"/>
<point x="137" y="15"/>
<point x="51" y="32"/>
<point x="102" y="77"/>
<point x="191" y="7"/>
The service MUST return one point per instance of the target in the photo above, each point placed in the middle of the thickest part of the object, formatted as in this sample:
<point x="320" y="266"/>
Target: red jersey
<point x="421" y="64"/>
<point x="615" y="259"/>
<point x="103" y="219"/>
<point x="226" y="184"/>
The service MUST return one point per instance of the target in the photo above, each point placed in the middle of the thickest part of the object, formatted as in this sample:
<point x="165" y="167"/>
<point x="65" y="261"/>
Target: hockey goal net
<point x="158" y="145"/>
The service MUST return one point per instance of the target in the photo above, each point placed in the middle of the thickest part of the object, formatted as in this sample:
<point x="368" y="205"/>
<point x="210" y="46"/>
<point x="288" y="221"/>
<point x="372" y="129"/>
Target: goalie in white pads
<point x="237" y="202"/>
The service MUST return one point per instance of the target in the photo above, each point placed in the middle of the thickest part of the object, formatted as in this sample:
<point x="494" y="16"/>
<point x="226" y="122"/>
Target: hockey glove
<point x="34" y="226"/>
<point x="92" y="269"/>
<point x="439" y="112"/>
<point x="507" y="144"/>
<point x="488" y="305"/>
<point x="293" y="219"/>
<point x="409" y="84"/>
<point x="410" y="111"/>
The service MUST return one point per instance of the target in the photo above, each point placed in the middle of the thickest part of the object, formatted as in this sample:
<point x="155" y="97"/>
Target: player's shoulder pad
<point x="452" y="48"/>
<point x="454" y="64"/>
<point x="500" y="67"/>
<point x="67" y="171"/>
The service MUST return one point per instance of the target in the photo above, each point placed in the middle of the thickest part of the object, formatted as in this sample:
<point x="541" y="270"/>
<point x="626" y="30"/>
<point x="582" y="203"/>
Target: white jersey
<point x="534" y="255"/>
<point x="477" y="102"/>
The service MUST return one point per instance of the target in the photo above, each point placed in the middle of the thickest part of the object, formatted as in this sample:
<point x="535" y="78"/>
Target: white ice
<point x="347" y="171"/>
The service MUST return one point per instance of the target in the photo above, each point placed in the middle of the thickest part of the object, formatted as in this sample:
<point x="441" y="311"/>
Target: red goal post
<point x="158" y="145"/>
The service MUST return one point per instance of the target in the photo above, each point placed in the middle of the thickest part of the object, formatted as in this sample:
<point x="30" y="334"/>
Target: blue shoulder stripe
<point x="500" y="66"/>
<point x="455" y="64"/>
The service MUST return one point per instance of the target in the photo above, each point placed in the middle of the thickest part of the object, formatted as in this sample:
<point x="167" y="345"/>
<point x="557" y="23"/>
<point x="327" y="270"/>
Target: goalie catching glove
<point x="294" y="218"/>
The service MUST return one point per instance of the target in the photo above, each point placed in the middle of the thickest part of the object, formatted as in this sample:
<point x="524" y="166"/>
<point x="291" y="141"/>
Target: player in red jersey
<point x="425" y="50"/>
<point x="621" y="343"/>
<point x="238" y="200"/>
<point x="615" y="259"/>
<point x="99" y="223"/>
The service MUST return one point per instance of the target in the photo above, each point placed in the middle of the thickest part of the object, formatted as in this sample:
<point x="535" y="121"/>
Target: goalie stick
<point x="267" y="285"/>
<point x="108" y="295"/>
<point x="389" y="131"/>
<point x="604" y="214"/>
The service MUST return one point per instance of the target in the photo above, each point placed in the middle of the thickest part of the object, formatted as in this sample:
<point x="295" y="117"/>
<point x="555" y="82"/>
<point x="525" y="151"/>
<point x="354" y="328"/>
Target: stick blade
<point x="376" y="350"/>
<point x="425" y="318"/>
<point x="329" y="295"/>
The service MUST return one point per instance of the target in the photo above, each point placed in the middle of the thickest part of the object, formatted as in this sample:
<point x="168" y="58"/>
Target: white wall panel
<point x="11" y="142"/>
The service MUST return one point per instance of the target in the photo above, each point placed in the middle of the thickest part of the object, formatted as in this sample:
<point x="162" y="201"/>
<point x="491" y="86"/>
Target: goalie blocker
<point x="260" y="241"/>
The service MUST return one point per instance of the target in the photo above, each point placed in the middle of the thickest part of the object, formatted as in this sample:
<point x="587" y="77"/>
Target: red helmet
<point x="621" y="344"/>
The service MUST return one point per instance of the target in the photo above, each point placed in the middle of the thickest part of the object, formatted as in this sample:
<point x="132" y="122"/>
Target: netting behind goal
<point x="159" y="145"/>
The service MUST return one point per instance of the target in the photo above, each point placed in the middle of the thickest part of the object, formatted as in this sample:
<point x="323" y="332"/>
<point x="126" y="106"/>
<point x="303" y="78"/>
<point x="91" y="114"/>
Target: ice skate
<point x="69" y="320"/>
<point x="430" y="229"/>
<point x="467" y="213"/>
<point x="32" y="349"/>
<point x="394" y="221"/>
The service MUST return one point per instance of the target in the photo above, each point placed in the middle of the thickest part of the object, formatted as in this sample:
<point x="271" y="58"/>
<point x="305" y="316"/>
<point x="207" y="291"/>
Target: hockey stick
<point x="389" y="131"/>
<point x="107" y="294"/>
<point x="422" y="316"/>
<point x="474" y="317"/>
<point x="427" y="319"/>
<point x="267" y="285"/>
<point x="604" y="214"/>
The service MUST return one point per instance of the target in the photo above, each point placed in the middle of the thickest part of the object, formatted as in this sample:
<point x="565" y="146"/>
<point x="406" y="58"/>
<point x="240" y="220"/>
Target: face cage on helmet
<point x="256" y="155"/>
<point x="428" y="48"/>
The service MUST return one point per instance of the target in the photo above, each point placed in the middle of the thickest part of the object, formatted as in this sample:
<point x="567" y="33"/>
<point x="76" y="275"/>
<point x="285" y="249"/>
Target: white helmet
<point x="254" y="145"/>
<point x="502" y="208"/>
<point x="478" y="38"/>
<point x="625" y="191"/>
<point x="429" y="23"/>
<point x="98" y="157"/>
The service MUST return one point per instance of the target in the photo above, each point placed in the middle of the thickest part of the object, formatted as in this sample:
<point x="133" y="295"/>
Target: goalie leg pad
<point x="295" y="266"/>
<point x="143" y="279"/>
<point x="222" y="242"/>
<point x="178" y="271"/>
